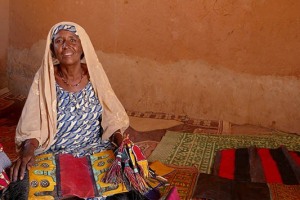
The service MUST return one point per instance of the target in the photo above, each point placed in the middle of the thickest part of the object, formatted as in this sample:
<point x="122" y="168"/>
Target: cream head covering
<point x="39" y="115"/>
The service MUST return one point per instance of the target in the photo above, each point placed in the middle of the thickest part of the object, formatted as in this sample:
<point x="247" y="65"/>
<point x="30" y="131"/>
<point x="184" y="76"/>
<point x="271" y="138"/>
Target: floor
<point x="147" y="126"/>
<point x="146" y="129"/>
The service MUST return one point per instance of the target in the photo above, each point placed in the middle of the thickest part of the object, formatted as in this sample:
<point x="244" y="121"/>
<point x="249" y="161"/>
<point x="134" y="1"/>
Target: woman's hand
<point x="25" y="160"/>
<point x="117" y="138"/>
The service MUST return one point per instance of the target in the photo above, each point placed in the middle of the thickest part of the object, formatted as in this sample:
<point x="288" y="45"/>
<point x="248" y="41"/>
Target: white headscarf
<point x="39" y="115"/>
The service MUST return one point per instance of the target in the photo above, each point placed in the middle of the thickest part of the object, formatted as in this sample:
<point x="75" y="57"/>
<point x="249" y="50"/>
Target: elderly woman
<point x="71" y="107"/>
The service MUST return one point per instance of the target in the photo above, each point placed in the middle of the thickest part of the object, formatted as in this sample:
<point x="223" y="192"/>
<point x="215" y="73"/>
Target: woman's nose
<point x="65" y="44"/>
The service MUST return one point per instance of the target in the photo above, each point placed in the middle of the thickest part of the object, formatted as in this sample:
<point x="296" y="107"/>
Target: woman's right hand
<point x="25" y="159"/>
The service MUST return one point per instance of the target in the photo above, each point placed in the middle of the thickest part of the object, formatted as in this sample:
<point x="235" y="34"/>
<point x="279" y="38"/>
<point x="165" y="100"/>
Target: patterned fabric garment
<point x="78" y="123"/>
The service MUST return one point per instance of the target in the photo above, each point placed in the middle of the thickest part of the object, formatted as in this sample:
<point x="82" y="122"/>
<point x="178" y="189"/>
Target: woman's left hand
<point x="117" y="138"/>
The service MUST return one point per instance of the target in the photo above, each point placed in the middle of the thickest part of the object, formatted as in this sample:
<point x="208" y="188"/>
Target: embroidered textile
<point x="63" y="175"/>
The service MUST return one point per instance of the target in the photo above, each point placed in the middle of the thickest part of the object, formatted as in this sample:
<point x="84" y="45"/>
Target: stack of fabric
<point x="236" y="166"/>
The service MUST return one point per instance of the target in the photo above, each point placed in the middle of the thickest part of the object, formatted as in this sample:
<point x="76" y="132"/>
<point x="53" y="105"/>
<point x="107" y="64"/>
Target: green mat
<point x="190" y="149"/>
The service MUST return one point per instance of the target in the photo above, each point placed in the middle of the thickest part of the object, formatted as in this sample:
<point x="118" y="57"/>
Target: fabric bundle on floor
<point x="259" y="165"/>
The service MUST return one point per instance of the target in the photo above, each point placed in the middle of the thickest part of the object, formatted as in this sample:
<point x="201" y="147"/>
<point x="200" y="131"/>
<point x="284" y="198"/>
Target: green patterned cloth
<point x="190" y="149"/>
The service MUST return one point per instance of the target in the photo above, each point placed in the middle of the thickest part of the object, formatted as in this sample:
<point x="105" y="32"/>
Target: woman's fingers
<point x="22" y="169"/>
<point x="14" y="171"/>
<point x="25" y="161"/>
<point x="19" y="167"/>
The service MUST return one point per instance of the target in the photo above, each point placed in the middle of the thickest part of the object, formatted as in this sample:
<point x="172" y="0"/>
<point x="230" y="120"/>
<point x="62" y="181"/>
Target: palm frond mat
<point x="190" y="149"/>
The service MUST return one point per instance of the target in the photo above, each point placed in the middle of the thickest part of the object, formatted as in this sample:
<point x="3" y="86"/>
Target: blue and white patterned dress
<point x="78" y="123"/>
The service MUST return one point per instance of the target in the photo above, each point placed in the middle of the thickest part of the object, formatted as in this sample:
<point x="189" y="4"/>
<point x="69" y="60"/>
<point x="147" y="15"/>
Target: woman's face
<point x="67" y="47"/>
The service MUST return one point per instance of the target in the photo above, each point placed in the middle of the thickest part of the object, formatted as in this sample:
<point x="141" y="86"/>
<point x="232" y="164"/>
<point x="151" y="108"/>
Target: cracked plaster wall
<point x="231" y="60"/>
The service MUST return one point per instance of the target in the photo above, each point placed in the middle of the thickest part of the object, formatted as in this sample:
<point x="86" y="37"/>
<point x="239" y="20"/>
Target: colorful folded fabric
<point x="64" y="175"/>
<point x="258" y="165"/>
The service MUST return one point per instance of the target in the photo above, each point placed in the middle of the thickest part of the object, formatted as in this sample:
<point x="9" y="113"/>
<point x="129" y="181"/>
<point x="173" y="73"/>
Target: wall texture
<point x="4" y="21"/>
<point x="233" y="60"/>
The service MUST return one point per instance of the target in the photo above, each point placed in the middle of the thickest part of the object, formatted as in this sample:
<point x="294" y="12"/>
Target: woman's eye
<point x="73" y="40"/>
<point x="59" y="41"/>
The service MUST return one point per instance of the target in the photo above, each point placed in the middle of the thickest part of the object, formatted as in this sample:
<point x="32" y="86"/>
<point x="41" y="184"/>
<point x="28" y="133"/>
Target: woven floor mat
<point x="190" y="149"/>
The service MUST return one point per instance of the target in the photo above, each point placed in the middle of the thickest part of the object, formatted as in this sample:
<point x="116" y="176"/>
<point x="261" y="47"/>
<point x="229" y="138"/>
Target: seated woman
<point x="71" y="107"/>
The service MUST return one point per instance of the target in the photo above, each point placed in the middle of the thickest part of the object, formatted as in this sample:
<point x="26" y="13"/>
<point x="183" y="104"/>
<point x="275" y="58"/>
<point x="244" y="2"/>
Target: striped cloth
<point x="259" y="165"/>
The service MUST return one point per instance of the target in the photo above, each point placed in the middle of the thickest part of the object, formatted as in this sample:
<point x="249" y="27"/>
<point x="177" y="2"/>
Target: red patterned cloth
<point x="4" y="163"/>
<point x="4" y="180"/>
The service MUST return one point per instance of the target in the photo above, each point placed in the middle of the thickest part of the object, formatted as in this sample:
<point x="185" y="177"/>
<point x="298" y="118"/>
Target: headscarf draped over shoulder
<point x="39" y="115"/>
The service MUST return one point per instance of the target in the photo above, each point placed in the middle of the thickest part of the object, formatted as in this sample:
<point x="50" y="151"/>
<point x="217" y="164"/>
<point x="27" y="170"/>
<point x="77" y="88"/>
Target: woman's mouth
<point x="68" y="54"/>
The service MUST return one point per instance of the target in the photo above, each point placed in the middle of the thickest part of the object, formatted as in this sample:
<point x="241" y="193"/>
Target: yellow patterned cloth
<point x="46" y="178"/>
<point x="42" y="178"/>
<point x="161" y="169"/>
